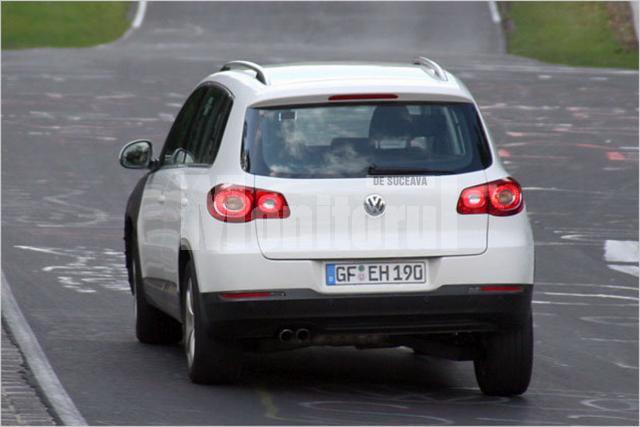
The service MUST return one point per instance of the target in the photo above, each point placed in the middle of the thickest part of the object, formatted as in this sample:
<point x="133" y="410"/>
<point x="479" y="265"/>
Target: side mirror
<point x="137" y="155"/>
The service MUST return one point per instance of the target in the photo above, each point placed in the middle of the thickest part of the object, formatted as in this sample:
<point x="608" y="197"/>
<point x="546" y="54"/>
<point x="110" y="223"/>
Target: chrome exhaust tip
<point x="303" y="335"/>
<point x="285" y="335"/>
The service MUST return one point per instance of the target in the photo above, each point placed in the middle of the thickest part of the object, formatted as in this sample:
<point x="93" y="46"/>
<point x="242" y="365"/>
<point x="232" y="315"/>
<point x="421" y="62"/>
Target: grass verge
<point x="62" y="24"/>
<point x="590" y="34"/>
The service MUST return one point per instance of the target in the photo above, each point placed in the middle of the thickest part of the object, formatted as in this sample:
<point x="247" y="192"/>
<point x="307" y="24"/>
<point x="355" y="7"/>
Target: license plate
<point x="375" y="273"/>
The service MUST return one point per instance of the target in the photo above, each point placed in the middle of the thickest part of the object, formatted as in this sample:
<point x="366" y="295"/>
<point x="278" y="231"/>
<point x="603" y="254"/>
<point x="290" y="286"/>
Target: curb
<point x="47" y="381"/>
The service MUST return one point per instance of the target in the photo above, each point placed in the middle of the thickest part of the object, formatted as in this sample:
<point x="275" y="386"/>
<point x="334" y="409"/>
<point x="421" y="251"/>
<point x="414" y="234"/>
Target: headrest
<point x="390" y="121"/>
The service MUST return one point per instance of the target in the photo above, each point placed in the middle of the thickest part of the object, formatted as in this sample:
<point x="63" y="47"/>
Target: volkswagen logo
<point x="374" y="204"/>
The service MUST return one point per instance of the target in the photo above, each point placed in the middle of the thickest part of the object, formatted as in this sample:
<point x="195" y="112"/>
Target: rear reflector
<point x="360" y="96"/>
<point x="243" y="295"/>
<point x="501" y="288"/>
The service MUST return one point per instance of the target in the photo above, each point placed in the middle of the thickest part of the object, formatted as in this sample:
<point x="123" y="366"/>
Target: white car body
<point x="462" y="250"/>
<point x="327" y="222"/>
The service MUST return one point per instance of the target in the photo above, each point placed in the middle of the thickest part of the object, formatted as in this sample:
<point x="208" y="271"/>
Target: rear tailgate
<point x="328" y="219"/>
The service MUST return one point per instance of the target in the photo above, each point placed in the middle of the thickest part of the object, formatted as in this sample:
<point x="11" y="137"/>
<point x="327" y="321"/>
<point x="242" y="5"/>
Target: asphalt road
<point x="569" y="135"/>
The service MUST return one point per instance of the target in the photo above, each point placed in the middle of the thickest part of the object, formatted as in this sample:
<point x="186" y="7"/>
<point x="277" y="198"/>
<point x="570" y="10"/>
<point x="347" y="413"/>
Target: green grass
<point x="62" y="24"/>
<point x="572" y="33"/>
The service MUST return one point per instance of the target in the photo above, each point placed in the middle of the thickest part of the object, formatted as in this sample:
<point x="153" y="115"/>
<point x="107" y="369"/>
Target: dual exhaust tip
<point x="301" y="335"/>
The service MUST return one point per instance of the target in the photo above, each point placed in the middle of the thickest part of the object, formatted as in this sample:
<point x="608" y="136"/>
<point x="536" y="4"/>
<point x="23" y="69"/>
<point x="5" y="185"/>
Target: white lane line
<point x="137" y="19"/>
<point x="621" y="251"/>
<point x="588" y="285"/>
<point x="633" y="270"/>
<point x="495" y="15"/>
<point x="53" y="391"/>
<point x="558" y="303"/>
<point x="140" y="12"/>
<point x="43" y="250"/>
<point x="624" y="365"/>
<point x="609" y="340"/>
<point x="574" y="294"/>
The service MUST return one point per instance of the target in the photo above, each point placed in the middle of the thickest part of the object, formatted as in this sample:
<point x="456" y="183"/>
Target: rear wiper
<point x="382" y="170"/>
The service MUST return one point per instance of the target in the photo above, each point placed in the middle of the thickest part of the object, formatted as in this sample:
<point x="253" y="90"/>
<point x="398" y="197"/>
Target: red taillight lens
<point x="500" y="198"/>
<point x="473" y="200"/>
<point x="236" y="203"/>
<point x="231" y="203"/>
<point x="505" y="197"/>
<point x="270" y="205"/>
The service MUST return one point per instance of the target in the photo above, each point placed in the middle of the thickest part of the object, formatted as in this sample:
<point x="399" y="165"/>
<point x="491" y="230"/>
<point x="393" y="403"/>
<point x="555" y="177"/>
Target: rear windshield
<point x="357" y="140"/>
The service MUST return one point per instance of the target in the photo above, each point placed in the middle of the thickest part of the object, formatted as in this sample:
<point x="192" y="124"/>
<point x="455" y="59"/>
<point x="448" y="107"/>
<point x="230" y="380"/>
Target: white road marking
<point x="589" y="285"/>
<point x="140" y="12"/>
<point x="621" y="251"/>
<point x="624" y="321"/>
<point x="137" y="20"/>
<point x="43" y="250"/>
<point x="617" y="252"/>
<point x="609" y="340"/>
<point x="574" y="294"/>
<point x="627" y="269"/>
<point x="116" y="96"/>
<point x="624" y="365"/>
<point x="48" y="381"/>
<point x="41" y="114"/>
<point x="558" y="303"/>
<point x="565" y="190"/>
<point x="495" y="14"/>
<point x="87" y="271"/>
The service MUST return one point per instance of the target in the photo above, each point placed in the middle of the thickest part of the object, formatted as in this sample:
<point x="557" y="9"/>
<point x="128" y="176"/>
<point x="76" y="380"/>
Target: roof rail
<point x="432" y="67"/>
<point x="261" y="74"/>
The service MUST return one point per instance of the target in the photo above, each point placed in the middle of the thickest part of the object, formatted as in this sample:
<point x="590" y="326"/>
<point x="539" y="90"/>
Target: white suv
<point x="331" y="204"/>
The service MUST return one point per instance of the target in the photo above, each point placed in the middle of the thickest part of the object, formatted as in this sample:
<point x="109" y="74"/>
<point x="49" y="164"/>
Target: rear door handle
<point x="162" y="199"/>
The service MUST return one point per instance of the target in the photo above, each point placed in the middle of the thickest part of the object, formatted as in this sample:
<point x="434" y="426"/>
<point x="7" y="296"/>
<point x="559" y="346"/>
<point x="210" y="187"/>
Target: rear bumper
<point x="448" y="309"/>
<point x="234" y="265"/>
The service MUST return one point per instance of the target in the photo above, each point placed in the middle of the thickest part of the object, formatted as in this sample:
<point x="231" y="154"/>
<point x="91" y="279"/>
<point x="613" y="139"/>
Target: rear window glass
<point x="357" y="140"/>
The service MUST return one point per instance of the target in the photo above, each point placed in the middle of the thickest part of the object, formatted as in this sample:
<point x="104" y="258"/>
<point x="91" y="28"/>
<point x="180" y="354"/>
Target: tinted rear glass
<point x="356" y="140"/>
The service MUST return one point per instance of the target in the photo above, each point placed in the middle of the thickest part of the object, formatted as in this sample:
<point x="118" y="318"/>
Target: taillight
<point x="236" y="203"/>
<point x="270" y="204"/>
<point x="500" y="198"/>
<point x="473" y="200"/>
<point x="505" y="197"/>
<point x="231" y="203"/>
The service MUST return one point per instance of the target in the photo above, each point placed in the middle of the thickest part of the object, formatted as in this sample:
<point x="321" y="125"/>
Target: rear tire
<point x="505" y="367"/>
<point x="152" y="325"/>
<point x="209" y="361"/>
